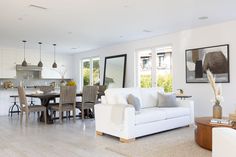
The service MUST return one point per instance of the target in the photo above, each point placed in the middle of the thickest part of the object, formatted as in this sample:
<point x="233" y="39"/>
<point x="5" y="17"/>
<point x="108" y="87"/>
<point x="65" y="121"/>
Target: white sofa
<point x="223" y="142"/>
<point x="149" y="120"/>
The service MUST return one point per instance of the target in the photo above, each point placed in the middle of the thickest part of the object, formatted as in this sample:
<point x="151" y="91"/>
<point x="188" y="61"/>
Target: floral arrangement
<point x="217" y="89"/>
<point x="71" y="83"/>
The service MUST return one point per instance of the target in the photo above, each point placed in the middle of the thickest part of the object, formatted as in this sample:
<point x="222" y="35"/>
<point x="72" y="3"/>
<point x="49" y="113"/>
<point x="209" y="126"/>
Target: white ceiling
<point x="91" y="24"/>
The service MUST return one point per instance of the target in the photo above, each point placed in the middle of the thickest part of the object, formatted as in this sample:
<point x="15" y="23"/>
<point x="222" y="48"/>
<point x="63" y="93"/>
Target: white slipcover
<point x="150" y="120"/>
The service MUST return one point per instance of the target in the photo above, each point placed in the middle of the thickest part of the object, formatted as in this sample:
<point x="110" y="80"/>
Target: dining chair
<point x="89" y="99"/>
<point x="67" y="101"/>
<point x="24" y="107"/>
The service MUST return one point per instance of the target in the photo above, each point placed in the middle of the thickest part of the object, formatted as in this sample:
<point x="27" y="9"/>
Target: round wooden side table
<point x="203" y="131"/>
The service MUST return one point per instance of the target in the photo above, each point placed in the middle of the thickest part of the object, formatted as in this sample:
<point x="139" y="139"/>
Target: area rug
<point x="174" y="143"/>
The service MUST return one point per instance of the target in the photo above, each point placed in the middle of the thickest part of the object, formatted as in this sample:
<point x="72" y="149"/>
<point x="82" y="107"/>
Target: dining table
<point x="45" y="99"/>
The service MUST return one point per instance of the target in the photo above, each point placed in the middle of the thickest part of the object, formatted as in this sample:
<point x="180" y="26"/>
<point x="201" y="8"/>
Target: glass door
<point x="91" y="71"/>
<point x="86" y="72"/>
<point x="155" y="68"/>
<point x="145" y="68"/>
<point x="164" y="68"/>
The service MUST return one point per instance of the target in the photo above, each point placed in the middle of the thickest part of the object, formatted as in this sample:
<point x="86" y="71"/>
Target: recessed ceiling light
<point x="146" y="31"/>
<point x="203" y="18"/>
<point x="74" y="48"/>
<point x="38" y="7"/>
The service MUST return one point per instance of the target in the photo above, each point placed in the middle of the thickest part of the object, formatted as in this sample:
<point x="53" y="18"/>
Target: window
<point x="155" y="68"/>
<point x="96" y="71"/>
<point x="86" y="72"/>
<point x="164" y="68"/>
<point x="145" y="68"/>
<point x="91" y="71"/>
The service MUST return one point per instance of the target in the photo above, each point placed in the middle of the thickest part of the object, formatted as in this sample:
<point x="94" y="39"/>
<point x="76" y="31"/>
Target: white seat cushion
<point x="148" y="115"/>
<point x="174" y="112"/>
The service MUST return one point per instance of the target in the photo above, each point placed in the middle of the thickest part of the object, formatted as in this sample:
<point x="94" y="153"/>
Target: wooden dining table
<point x="45" y="99"/>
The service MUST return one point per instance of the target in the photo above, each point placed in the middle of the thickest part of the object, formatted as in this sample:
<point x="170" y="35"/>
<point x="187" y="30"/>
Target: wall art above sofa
<point x="215" y="58"/>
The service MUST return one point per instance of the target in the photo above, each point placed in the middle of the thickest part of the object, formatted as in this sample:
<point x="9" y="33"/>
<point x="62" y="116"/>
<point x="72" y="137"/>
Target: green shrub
<point x="86" y="74"/>
<point x="146" y="81"/>
<point x="165" y="81"/>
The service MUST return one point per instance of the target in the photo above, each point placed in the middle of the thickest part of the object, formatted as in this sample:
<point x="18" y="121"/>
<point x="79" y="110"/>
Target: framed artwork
<point x="214" y="58"/>
<point x="114" y="71"/>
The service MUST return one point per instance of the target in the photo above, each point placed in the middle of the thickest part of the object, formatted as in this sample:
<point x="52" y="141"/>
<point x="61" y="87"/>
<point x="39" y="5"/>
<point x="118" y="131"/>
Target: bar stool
<point x="15" y="105"/>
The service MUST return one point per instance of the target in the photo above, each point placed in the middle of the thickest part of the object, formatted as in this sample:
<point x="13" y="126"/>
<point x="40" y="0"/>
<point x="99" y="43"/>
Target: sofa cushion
<point x="167" y="100"/>
<point x="149" y="97"/>
<point x="148" y="115"/>
<point x="174" y="112"/>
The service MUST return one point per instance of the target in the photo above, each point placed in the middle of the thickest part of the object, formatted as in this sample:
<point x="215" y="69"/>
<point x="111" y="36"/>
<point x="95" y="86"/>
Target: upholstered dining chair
<point x="89" y="99"/>
<point x="24" y="107"/>
<point x="67" y="101"/>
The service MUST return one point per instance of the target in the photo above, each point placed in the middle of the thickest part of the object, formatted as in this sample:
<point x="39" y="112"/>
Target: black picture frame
<point x="216" y="58"/>
<point x="105" y="75"/>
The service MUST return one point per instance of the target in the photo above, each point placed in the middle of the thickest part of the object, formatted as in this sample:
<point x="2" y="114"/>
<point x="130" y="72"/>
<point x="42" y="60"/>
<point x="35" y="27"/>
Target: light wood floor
<point x="39" y="140"/>
<point x="79" y="140"/>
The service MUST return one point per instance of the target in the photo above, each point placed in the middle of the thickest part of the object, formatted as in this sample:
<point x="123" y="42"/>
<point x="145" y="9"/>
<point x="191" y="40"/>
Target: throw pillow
<point x="167" y="100"/>
<point x="133" y="100"/>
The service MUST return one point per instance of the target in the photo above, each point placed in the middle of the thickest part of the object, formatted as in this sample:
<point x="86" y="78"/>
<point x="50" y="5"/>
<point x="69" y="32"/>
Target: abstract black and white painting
<point x="214" y="58"/>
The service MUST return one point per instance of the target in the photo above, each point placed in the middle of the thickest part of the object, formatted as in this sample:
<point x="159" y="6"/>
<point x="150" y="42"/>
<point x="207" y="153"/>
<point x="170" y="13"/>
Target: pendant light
<point x="24" y="63"/>
<point x="40" y="64"/>
<point x="54" y="65"/>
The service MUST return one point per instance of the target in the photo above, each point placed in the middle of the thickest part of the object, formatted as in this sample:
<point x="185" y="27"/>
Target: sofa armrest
<point x="188" y="104"/>
<point x="223" y="142"/>
<point x="103" y="118"/>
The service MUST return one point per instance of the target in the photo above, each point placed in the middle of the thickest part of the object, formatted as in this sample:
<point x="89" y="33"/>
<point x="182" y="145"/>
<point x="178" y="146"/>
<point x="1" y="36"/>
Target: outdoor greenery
<point x="146" y="81"/>
<point x="96" y="72"/>
<point x="86" y="72"/>
<point x="164" y="81"/>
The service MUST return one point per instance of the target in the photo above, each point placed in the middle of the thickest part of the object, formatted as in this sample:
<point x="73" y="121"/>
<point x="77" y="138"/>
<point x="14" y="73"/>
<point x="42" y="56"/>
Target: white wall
<point x="224" y="33"/>
<point x="9" y="57"/>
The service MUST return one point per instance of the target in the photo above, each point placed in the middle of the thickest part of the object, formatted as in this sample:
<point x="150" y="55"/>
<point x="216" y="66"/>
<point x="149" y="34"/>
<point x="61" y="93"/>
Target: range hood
<point x="28" y="68"/>
<point x="28" y="72"/>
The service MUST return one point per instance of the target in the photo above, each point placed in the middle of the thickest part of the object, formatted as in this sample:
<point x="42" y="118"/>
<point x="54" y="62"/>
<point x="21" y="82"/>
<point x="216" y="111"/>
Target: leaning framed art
<point x="214" y="58"/>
